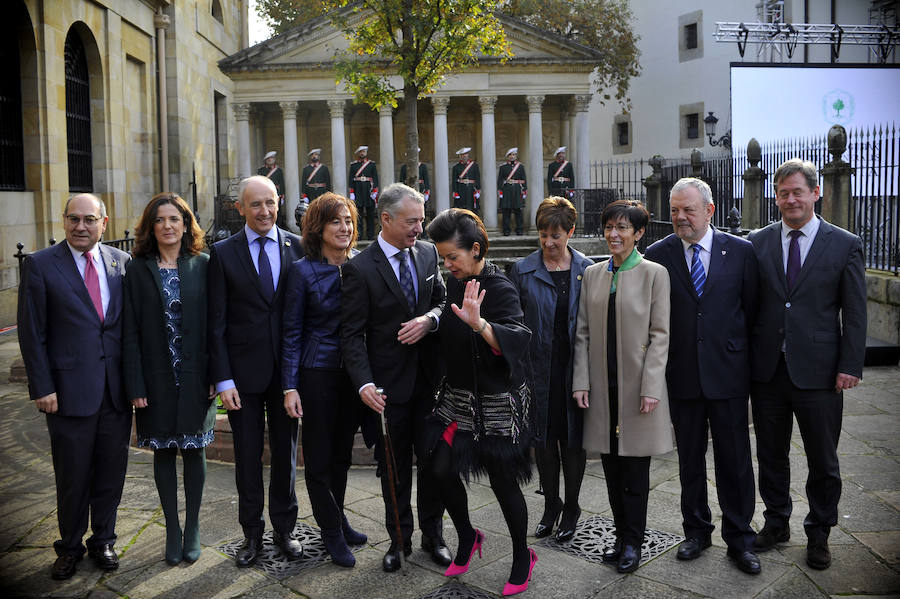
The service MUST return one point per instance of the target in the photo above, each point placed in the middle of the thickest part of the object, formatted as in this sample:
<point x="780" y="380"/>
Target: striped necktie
<point x="698" y="275"/>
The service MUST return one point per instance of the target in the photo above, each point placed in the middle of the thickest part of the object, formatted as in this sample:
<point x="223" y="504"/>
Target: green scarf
<point x="630" y="262"/>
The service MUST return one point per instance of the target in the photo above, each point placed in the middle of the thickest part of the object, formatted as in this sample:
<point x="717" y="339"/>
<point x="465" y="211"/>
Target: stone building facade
<point x="287" y="98"/>
<point x="87" y="114"/>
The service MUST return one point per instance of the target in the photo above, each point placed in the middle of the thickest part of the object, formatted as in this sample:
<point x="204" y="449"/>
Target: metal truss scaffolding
<point x="882" y="40"/>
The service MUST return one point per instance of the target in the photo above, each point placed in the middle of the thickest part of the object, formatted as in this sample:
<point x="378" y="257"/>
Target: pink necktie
<point x="92" y="282"/>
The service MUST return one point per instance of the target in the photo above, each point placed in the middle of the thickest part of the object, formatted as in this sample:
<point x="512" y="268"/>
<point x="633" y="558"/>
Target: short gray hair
<point x="698" y="184"/>
<point x="86" y="195"/>
<point x="796" y="165"/>
<point x="395" y="193"/>
<point x="259" y="179"/>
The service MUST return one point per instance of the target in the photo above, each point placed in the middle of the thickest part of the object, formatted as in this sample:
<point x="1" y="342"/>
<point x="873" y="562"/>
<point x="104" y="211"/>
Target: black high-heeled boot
<point x="573" y="464"/>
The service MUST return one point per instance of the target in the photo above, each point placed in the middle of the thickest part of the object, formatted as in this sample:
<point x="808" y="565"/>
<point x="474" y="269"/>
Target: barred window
<point x="78" y="115"/>
<point x="12" y="147"/>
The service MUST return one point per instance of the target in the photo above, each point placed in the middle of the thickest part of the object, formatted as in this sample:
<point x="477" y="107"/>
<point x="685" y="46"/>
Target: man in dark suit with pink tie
<point x="70" y="334"/>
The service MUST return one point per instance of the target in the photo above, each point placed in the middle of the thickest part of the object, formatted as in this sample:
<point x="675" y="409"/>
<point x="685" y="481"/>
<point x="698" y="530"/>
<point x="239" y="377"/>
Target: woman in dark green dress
<point x="165" y="360"/>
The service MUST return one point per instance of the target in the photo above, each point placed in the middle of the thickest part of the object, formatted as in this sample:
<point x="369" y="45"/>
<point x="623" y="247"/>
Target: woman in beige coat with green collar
<point x="619" y="376"/>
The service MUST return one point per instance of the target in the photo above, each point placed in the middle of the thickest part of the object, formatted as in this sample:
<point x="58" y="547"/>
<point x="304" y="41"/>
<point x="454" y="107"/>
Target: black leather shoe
<point x="247" y="554"/>
<point x="567" y="525"/>
<point x="549" y="519"/>
<point x="692" y="547"/>
<point x="438" y="550"/>
<point x="629" y="560"/>
<point x="104" y="557"/>
<point x="768" y="537"/>
<point x="64" y="567"/>
<point x="611" y="554"/>
<point x="746" y="561"/>
<point x="289" y="546"/>
<point x="392" y="561"/>
<point x="817" y="555"/>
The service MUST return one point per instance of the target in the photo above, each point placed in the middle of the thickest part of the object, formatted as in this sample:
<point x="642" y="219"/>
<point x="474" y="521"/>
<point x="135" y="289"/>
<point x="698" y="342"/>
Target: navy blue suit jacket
<point x="65" y="346"/>
<point x="244" y="326"/>
<point x="709" y="343"/>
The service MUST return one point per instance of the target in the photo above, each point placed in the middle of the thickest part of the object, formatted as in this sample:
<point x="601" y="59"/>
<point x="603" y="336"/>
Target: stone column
<point x="291" y="164"/>
<point x="582" y="142"/>
<point x="440" y="185"/>
<point x="836" y="202"/>
<point x="754" y="180"/>
<point x="242" y="116"/>
<point x="535" y="154"/>
<point x="488" y="200"/>
<point x="338" y="147"/>
<point x="386" y="139"/>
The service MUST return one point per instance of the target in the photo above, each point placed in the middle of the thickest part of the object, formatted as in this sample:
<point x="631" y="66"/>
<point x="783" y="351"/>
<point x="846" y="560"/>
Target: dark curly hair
<point x="192" y="242"/>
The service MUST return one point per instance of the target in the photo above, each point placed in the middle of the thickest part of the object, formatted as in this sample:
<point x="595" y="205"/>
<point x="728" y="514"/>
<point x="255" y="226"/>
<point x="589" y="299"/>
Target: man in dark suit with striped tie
<point x="713" y="292"/>
<point x="246" y="279"/>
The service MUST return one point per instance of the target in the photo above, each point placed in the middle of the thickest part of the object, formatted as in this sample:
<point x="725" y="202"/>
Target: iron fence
<point x="874" y="213"/>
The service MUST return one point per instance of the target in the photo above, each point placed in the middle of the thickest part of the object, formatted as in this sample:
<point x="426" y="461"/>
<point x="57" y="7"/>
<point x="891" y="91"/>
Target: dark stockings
<point x="167" y="485"/>
<point x="509" y="496"/>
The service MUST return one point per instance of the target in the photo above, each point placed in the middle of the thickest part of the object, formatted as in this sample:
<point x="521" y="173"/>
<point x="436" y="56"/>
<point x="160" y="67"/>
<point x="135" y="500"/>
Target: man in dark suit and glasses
<point x="808" y="345"/>
<point x="392" y="299"/>
<point x="714" y="287"/>
<point x="246" y="295"/>
<point x="70" y="334"/>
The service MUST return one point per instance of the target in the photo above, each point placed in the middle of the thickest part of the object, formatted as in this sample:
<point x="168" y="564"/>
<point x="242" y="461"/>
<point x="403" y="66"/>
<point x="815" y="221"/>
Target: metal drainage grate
<point x="595" y="534"/>
<point x="272" y="562"/>
<point x="455" y="590"/>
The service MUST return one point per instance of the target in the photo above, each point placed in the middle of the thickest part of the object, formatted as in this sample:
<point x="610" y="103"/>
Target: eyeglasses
<point x="89" y="220"/>
<point x="620" y="228"/>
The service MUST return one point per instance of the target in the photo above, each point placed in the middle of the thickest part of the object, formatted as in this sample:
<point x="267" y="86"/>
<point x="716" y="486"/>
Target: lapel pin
<point x="578" y="277"/>
<point x="723" y="252"/>
<point x="287" y="242"/>
<point x="114" y="264"/>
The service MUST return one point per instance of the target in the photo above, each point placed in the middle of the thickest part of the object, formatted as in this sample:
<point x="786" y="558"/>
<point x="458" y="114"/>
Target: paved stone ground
<point x="865" y="545"/>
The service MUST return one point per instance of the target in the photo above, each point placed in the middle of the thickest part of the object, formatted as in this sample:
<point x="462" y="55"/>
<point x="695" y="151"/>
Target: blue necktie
<point x="406" y="282"/>
<point x="698" y="275"/>
<point x="265" y="269"/>
<point x="793" y="262"/>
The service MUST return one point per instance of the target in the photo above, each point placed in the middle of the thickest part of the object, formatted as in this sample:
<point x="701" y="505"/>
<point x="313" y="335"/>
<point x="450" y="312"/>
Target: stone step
<point x="881" y="353"/>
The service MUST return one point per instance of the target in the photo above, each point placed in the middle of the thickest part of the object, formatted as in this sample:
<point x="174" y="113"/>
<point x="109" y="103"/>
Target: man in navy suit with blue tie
<point x="714" y="290"/>
<point x="70" y="334"/>
<point x="246" y="279"/>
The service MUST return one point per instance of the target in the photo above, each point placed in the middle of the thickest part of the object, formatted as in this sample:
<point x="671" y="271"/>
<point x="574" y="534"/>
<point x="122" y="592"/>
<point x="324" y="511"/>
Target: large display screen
<point x="774" y="102"/>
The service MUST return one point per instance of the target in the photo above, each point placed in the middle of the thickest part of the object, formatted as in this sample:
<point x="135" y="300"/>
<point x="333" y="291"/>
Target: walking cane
<point x="391" y="466"/>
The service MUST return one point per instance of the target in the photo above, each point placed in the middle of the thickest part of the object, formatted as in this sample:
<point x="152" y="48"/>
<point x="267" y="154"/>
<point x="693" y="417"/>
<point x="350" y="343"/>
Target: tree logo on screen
<point x="838" y="106"/>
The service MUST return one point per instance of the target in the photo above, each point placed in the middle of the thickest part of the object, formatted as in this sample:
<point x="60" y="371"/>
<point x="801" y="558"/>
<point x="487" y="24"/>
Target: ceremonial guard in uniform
<point x="561" y="176"/>
<point x="316" y="177"/>
<point x="512" y="190"/>
<point x="465" y="182"/>
<point x="363" y="188"/>
<point x="274" y="172"/>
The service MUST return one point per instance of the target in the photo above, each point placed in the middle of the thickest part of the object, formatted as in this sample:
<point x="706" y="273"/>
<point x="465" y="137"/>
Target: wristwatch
<point x="434" y="320"/>
<point x="286" y="391"/>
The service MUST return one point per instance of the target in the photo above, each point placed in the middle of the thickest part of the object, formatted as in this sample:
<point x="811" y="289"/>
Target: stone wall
<point x="883" y="306"/>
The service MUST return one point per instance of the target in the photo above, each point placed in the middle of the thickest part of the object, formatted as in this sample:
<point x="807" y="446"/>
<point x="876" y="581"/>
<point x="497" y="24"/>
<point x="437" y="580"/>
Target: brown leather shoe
<point x="104" y="556"/>
<point x="64" y="567"/>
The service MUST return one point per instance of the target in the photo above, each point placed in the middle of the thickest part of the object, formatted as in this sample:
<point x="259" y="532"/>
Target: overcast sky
<point x="259" y="32"/>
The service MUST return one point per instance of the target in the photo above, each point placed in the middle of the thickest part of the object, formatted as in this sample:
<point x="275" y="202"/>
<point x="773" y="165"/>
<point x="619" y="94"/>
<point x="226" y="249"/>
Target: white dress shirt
<point x="805" y="241"/>
<point x="705" y="244"/>
<point x="394" y="260"/>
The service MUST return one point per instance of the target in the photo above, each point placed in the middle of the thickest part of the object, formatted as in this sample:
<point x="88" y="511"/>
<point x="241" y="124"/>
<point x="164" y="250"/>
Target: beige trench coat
<point x="642" y="342"/>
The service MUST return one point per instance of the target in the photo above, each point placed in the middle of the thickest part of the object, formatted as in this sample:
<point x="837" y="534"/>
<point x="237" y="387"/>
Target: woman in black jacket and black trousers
<point x="316" y="386"/>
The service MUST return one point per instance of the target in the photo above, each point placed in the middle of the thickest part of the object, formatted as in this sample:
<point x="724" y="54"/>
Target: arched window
<point x="78" y="115"/>
<point x="12" y="147"/>
<point x="217" y="11"/>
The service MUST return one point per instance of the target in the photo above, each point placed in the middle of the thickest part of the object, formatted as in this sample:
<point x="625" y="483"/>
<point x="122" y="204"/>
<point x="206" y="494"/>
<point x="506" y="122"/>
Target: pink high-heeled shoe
<point x="453" y="569"/>
<point x="515" y="589"/>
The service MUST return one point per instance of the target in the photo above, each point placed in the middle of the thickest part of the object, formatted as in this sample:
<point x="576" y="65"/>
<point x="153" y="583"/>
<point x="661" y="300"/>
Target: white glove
<point x="352" y="196"/>
<point x="373" y="195"/>
<point x="477" y="194"/>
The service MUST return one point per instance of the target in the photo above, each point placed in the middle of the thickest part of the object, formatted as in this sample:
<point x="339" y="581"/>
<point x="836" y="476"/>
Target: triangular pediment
<point x="313" y="45"/>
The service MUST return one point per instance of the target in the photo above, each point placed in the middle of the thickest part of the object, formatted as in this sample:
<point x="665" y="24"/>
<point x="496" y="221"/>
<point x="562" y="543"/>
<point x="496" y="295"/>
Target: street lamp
<point x="710" y="122"/>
